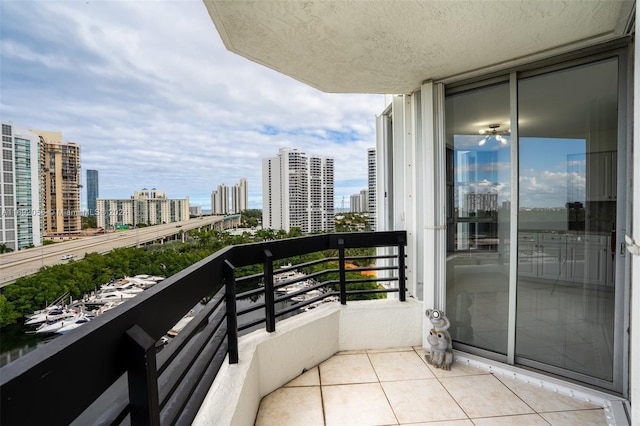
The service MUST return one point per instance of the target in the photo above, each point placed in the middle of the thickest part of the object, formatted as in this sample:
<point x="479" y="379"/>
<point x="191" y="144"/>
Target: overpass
<point x="29" y="261"/>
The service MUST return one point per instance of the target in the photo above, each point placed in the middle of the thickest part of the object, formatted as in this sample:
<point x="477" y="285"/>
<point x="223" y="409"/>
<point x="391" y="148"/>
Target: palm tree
<point x="4" y="248"/>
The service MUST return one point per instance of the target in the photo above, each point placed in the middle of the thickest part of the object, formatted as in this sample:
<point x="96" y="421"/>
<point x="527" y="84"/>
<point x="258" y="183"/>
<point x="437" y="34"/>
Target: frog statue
<point x="441" y="353"/>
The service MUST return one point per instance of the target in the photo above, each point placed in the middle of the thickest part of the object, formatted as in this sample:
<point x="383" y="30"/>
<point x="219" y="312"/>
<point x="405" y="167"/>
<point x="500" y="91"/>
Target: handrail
<point x="169" y="386"/>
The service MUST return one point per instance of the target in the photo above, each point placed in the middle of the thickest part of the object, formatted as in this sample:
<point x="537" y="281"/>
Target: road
<point x="26" y="262"/>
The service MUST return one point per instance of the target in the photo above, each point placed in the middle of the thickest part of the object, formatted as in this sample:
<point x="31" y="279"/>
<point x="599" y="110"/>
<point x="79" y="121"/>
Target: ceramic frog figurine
<point x="441" y="354"/>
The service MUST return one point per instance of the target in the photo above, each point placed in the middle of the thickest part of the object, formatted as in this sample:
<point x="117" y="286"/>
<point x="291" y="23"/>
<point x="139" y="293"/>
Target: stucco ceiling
<point x="385" y="46"/>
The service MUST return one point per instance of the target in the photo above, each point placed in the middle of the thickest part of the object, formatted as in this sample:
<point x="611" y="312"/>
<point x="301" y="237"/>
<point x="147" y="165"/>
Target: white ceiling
<point x="384" y="46"/>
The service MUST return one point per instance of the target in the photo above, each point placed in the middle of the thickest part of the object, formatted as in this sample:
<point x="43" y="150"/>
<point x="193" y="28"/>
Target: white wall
<point x="267" y="361"/>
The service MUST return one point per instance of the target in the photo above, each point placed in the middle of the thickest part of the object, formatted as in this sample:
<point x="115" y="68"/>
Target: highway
<point x="26" y="262"/>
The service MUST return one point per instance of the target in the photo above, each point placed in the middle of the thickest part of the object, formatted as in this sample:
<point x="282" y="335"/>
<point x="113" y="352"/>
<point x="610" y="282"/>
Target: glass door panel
<point x="478" y="210"/>
<point x="566" y="220"/>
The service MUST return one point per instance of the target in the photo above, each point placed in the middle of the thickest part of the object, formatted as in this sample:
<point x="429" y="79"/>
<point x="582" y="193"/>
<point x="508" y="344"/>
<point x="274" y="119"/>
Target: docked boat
<point x="72" y="325"/>
<point x="106" y="296"/>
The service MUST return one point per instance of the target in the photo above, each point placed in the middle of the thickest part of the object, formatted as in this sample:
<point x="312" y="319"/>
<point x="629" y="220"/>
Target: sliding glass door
<point x="567" y="219"/>
<point x="552" y="306"/>
<point x="479" y="185"/>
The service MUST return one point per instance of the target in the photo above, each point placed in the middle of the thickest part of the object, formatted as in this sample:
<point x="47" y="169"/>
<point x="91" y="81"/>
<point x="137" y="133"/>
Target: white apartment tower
<point x="148" y="207"/>
<point x="240" y="196"/>
<point x="298" y="191"/>
<point x="21" y="219"/>
<point x="371" y="178"/>
<point x="220" y="200"/>
<point x="355" y="206"/>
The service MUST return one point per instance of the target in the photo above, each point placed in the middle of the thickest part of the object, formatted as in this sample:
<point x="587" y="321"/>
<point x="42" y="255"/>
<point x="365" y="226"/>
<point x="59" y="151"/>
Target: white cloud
<point x="154" y="99"/>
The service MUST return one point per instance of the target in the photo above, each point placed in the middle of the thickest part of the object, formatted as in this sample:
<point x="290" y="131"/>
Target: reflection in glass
<point x="567" y="210"/>
<point x="478" y="185"/>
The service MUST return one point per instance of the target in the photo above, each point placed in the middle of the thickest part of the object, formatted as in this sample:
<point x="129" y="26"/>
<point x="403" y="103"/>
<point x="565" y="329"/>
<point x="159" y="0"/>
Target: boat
<point x="72" y="325"/>
<point x="109" y="296"/>
<point x="306" y="296"/>
<point x="40" y="316"/>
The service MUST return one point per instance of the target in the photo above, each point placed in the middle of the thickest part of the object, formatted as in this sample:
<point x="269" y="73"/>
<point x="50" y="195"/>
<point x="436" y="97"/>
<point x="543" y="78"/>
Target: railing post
<point x="232" y="317"/>
<point x="269" y="303"/>
<point x="402" y="284"/>
<point x="343" y="275"/>
<point x="142" y="378"/>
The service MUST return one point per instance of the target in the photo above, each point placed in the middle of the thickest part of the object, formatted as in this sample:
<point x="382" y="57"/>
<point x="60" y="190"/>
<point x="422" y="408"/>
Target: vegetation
<point x="352" y="222"/>
<point x="79" y="277"/>
<point x="4" y="248"/>
<point x="251" y="218"/>
<point x="89" y="222"/>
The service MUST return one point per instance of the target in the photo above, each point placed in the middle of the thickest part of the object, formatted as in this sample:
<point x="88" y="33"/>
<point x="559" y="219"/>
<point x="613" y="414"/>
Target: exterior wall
<point x="269" y="360"/>
<point x="20" y="224"/>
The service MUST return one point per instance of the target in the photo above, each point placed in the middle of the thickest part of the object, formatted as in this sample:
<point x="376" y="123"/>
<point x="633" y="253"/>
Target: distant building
<point x="240" y="196"/>
<point x="371" y="193"/>
<point x="147" y="206"/>
<point x="92" y="191"/>
<point x="359" y="203"/>
<point x="355" y="205"/>
<point x="298" y="191"/>
<point x="21" y="220"/>
<point x="220" y="200"/>
<point x="195" y="211"/>
<point x="59" y="184"/>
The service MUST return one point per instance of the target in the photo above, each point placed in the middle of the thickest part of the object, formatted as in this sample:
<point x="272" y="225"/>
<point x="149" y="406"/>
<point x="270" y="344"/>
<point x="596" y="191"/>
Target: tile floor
<point x="397" y="387"/>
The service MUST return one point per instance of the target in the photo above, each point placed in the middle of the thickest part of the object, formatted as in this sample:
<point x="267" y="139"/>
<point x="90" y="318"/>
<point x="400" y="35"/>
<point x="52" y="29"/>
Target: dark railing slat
<point x="343" y="276"/>
<point x="232" y="318"/>
<point x="142" y="378"/>
<point x="268" y="292"/>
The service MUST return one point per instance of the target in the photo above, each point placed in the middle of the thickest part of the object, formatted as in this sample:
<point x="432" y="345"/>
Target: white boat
<point x="306" y="296"/>
<point x="110" y="296"/>
<point x="40" y="316"/>
<point x="123" y="285"/>
<point x="80" y="320"/>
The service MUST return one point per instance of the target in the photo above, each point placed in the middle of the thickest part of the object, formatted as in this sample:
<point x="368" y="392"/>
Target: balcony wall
<point x="269" y="360"/>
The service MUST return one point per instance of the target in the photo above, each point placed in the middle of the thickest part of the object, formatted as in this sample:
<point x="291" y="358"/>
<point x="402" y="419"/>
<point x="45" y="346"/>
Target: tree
<point x="4" y="248"/>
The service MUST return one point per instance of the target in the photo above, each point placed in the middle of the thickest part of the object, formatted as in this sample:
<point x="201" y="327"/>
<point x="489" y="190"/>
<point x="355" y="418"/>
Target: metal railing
<point x="110" y="371"/>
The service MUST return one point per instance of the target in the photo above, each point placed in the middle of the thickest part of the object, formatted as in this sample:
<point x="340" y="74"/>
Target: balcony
<point x="246" y="358"/>
<point x="119" y="376"/>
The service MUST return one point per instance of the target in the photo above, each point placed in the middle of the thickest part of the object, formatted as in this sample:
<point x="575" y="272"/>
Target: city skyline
<point x="178" y="122"/>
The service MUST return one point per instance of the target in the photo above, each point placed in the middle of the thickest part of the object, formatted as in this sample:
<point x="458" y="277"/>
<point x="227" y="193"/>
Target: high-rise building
<point x="147" y="206"/>
<point x="354" y="203"/>
<point x="21" y="219"/>
<point x="371" y="178"/>
<point x="364" y="200"/>
<point x="60" y="183"/>
<point x="92" y="191"/>
<point x="239" y="196"/>
<point x="220" y="200"/>
<point x="298" y="191"/>
<point x="358" y="203"/>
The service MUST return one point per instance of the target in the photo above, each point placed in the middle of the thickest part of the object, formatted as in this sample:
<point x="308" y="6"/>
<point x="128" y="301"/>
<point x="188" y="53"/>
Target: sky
<point x="154" y="99"/>
<point x="552" y="170"/>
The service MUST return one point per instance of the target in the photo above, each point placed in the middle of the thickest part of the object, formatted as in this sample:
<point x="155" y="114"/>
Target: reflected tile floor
<point x="397" y="387"/>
